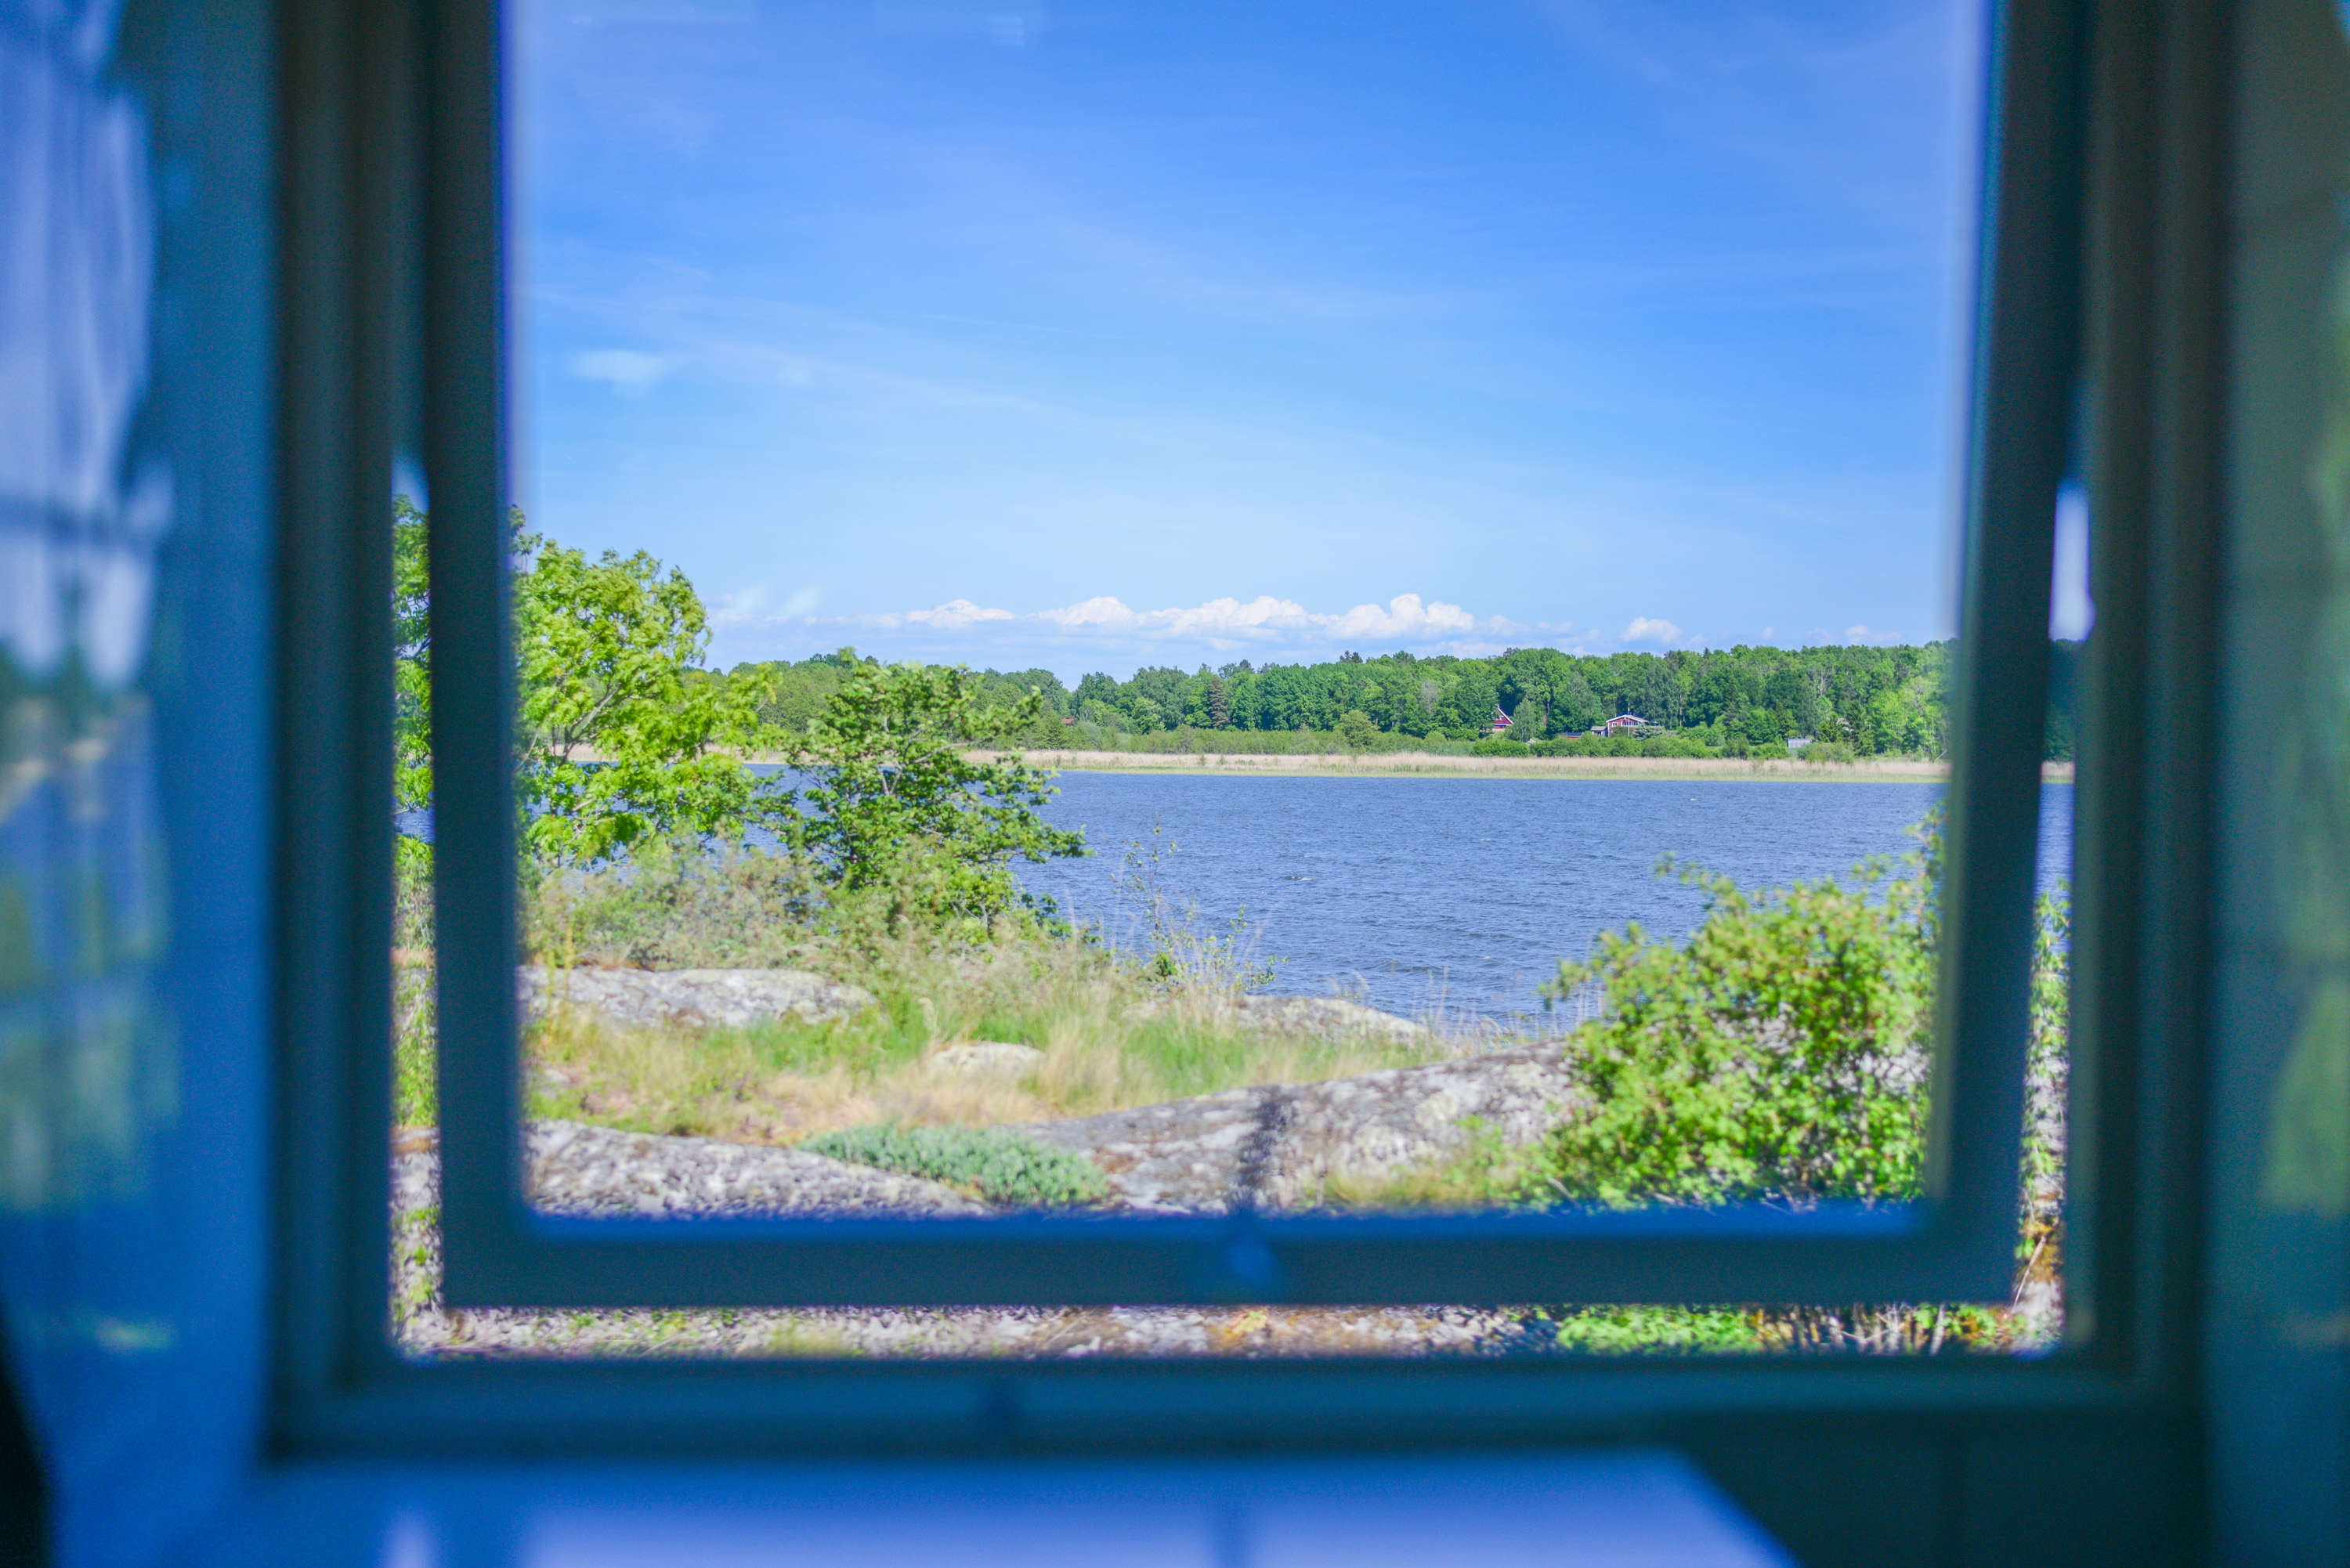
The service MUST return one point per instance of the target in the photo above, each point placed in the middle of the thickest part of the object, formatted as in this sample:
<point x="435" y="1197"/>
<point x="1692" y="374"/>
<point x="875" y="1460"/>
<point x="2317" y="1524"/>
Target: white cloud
<point x="1856" y="634"/>
<point x="1646" y="629"/>
<point x="629" y="372"/>
<point x="955" y="614"/>
<point x="1266" y="618"/>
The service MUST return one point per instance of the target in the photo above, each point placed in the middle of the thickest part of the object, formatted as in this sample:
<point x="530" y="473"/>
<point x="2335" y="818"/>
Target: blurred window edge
<point x="341" y="1389"/>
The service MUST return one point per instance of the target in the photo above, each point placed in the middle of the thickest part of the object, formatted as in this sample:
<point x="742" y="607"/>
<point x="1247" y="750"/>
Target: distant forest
<point x="1733" y="701"/>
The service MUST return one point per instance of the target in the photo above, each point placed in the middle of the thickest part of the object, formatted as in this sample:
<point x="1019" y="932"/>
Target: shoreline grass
<point x="1107" y="1043"/>
<point x="1430" y="764"/>
<point x="1427" y="764"/>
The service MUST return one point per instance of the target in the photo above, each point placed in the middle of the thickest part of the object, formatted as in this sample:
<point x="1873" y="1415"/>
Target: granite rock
<point x="998" y="1059"/>
<point x="610" y="1174"/>
<point x="602" y="1173"/>
<point x="1272" y="1146"/>
<point x="733" y="997"/>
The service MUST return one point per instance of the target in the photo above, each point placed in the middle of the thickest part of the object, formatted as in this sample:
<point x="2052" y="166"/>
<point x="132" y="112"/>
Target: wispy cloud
<point x="630" y="372"/>
<point x="1645" y="628"/>
<point x="1862" y="634"/>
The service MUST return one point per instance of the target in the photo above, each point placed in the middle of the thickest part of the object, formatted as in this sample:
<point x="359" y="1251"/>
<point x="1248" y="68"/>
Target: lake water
<point x="1466" y="892"/>
<point x="1461" y="893"/>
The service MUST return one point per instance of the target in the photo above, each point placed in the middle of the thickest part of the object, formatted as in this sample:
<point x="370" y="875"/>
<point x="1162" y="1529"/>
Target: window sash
<point x="1955" y="1245"/>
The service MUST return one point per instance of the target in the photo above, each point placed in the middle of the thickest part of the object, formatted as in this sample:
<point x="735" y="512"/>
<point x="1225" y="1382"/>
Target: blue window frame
<point x="419" y="197"/>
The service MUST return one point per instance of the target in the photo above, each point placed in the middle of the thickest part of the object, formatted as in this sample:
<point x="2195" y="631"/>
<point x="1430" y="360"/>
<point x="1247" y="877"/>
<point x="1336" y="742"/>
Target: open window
<point x="448" y="403"/>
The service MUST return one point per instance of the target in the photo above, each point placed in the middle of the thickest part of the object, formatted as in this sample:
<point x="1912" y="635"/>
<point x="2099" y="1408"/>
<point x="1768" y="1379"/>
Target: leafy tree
<point x="1096" y="687"/>
<point x="626" y="737"/>
<point x="902" y="805"/>
<point x="1577" y="708"/>
<point x="623" y="734"/>
<point x="791" y="695"/>
<point x="1358" y="731"/>
<point x="1165" y="690"/>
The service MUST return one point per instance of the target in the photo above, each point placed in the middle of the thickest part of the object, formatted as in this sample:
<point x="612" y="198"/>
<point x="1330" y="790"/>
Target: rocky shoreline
<point x="1267" y="1148"/>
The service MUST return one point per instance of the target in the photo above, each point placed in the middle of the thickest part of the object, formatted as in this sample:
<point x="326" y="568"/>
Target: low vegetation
<point x="1000" y="1166"/>
<point x="1119" y="1026"/>
<point x="1778" y="1056"/>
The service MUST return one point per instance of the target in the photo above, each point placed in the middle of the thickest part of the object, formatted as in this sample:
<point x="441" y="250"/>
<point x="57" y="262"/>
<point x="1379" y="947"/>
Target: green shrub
<point x="1655" y="1330"/>
<point x="1778" y="1056"/>
<point x="1001" y="1166"/>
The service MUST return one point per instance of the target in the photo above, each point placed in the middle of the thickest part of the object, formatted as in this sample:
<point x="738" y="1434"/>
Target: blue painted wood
<point x="1625" y="1508"/>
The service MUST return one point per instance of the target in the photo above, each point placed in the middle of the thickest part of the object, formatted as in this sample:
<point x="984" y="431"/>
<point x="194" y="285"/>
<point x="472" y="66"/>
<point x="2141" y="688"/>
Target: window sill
<point x="1647" y="1507"/>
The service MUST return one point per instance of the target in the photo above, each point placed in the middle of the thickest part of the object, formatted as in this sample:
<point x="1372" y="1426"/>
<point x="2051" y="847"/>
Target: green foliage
<point x="2045" y="1131"/>
<point x="790" y="696"/>
<point x="1742" y="701"/>
<point x="626" y="738"/>
<point x="1780" y="1055"/>
<point x="412" y="642"/>
<point x="623" y="735"/>
<point x="900" y="803"/>
<point x="628" y="744"/>
<point x="415" y="1097"/>
<point x="1654" y="1330"/>
<point x="1000" y="1166"/>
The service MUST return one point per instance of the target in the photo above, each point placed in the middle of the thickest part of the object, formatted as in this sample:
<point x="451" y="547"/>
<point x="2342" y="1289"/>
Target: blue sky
<point x="1099" y="335"/>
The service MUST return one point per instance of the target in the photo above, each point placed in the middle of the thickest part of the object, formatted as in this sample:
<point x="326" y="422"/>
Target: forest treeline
<point x="1733" y="701"/>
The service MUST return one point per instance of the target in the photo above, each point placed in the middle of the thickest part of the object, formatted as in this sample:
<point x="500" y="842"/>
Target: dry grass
<point x="1116" y="1031"/>
<point x="1109" y="1038"/>
<point x="1428" y="765"/>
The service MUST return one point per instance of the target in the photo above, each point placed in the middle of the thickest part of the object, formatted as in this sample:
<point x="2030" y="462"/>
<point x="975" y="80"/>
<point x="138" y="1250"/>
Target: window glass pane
<point x="1458" y="504"/>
